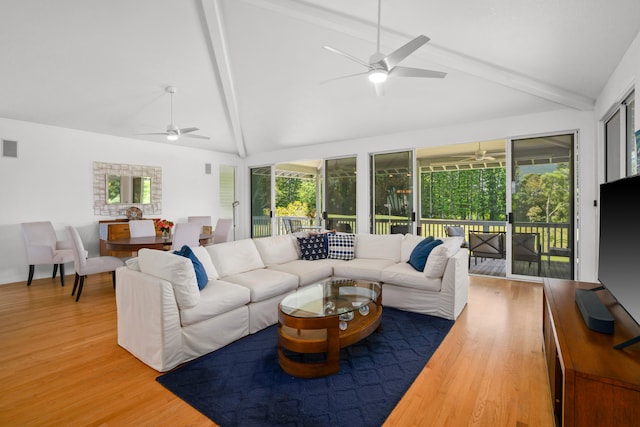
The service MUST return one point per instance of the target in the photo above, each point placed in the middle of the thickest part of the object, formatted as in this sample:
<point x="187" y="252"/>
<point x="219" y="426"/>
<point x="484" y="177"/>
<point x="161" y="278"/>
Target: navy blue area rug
<point x="243" y="385"/>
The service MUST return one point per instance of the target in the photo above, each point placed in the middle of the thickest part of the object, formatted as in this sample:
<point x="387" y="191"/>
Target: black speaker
<point x="594" y="312"/>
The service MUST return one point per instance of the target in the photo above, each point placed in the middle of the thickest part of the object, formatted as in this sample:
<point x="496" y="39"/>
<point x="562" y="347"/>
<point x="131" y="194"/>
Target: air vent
<point x="9" y="148"/>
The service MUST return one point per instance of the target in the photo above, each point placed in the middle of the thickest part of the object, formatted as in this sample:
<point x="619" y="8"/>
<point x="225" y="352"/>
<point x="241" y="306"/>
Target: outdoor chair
<point x="526" y="247"/>
<point x="486" y="245"/>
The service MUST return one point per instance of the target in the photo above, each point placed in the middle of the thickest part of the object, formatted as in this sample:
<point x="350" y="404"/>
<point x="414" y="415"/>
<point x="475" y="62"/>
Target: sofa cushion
<point x="312" y="248"/>
<point x="421" y="252"/>
<point x="378" y="246"/>
<point x="217" y="298"/>
<point x="437" y="261"/>
<point x="362" y="268"/>
<point x="409" y="241"/>
<point x="308" y="272"/>
<point x="341" y="246"/>
<point x="265" y="283"/>
<point x="201" y="273"/>
<point x="403" y="274"/>
<point x="205" y="259"/>
<point x="237" y="257"/>
<point x="277" y="249"/>
<point x="175" y="269"/>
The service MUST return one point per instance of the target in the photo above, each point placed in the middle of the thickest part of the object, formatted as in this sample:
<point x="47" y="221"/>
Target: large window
<point x="621" y="151"/>
<point x="227" y="191"/>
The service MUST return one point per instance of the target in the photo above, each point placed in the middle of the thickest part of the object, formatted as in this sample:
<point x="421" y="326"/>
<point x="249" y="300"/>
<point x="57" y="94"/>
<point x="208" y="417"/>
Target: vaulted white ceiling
<point x="250" y="73"/>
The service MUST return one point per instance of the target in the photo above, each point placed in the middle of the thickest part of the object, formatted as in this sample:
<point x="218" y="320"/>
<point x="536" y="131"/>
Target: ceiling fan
<point x="380" y="66"/>
<point x="173" y="133"/>
<point x="478" y="156"/>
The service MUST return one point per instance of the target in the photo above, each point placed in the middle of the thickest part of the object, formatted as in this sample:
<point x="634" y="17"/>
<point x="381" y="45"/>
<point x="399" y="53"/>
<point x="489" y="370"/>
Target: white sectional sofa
<point x="164" y="319"/>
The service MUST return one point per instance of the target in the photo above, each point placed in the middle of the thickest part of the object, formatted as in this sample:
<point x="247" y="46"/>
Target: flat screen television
<point x="619" y="248"/>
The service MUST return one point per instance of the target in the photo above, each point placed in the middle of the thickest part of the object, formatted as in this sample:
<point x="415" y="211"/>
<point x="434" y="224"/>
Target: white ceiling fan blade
<point x="343" y="77"/>
<point x="346" y="55"/>
<point x="395" y="57"/>
<point x="187" y="130"/>
<point x="379" y="89"/>
<point x="190" y="135"/>
<point x="416" y="72"/>
<point x="153" y="133"/>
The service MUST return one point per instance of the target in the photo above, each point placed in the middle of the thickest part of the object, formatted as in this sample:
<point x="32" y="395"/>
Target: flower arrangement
<point x="164" y="225"/>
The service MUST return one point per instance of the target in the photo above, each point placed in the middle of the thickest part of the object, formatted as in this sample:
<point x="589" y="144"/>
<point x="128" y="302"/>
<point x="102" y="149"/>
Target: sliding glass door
<point x="261" y="201"/>
<point x="541" y="221"/>
<point x="340" y="194"/>
<point x="392" y="193"/>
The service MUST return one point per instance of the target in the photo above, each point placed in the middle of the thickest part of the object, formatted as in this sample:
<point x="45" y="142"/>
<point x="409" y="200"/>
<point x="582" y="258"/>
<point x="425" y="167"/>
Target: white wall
<point x="52" y="179"/>
<point x="562" y="120"/>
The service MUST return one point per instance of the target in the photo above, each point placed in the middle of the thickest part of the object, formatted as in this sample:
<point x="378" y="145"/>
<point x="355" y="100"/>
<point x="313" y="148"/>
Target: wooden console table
<point x="592" y="384"/>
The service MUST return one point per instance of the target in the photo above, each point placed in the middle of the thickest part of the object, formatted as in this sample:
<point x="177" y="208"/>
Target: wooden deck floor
<point x="498" y="268"/>
<point x="61" y="365"/>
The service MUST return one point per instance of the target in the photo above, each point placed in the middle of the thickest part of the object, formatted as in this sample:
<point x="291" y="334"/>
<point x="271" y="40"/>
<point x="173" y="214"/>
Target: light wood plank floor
<point x="60" y="363"/>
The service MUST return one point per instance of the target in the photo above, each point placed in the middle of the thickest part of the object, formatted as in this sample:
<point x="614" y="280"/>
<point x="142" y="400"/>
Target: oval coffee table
<point x="323" y="318"/>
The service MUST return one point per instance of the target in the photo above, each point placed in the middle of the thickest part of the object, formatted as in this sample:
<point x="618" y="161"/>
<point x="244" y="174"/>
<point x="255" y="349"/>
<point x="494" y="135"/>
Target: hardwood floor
<point x="61" y="365"/>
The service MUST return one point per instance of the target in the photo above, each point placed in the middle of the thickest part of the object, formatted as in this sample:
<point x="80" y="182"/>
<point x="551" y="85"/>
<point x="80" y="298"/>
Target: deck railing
<point x="552" y="235"/>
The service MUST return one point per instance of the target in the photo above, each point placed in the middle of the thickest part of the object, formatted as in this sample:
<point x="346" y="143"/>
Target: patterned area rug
<point x="243" y="385"/>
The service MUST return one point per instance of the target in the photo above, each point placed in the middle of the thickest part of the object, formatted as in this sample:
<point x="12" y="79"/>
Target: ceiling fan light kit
<point x="378" y="76"/>
<point x="381" y="67"/>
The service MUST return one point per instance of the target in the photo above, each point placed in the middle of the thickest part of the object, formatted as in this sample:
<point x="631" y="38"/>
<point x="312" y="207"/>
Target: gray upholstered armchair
<point x="43" y="247"/>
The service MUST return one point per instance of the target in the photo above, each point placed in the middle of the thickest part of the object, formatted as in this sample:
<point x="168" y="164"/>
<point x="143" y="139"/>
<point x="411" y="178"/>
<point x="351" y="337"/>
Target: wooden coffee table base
<point x="305" y="335"/>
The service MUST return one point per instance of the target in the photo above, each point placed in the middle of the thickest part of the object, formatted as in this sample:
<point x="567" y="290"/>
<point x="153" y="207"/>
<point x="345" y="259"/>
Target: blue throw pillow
<point x="201" y="273"/>
<point x="419" y="255"/>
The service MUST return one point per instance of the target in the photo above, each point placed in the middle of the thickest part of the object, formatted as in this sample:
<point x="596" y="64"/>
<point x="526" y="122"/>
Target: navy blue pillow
<point x="312" y="248"/>
<point x="201" y="273"/>
<point x="419" y="255"/>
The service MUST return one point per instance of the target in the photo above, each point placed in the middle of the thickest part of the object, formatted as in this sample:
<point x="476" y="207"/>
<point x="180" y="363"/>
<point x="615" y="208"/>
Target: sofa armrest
<point x="148" y="319"/>
<point x="455" y="281"/>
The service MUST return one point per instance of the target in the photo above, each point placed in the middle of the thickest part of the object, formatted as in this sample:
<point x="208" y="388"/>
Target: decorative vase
<point x="165" y="234"/>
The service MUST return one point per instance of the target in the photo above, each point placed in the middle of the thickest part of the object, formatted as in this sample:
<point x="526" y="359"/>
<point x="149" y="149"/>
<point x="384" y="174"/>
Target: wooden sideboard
<point x="112" y="230"/>
<point x="592" y="384"/>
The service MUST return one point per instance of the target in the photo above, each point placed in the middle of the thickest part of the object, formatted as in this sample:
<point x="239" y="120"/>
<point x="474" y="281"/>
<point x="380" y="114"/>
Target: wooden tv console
<point x="592" y="384"/>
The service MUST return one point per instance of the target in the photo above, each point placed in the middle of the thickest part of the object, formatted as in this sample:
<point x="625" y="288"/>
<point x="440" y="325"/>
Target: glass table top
<point x="331" y="297"/>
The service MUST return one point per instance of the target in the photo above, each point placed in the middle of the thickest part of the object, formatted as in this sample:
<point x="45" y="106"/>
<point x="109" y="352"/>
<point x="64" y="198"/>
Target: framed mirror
<point x="128" y="189"/>
<point x="117" y="187"/>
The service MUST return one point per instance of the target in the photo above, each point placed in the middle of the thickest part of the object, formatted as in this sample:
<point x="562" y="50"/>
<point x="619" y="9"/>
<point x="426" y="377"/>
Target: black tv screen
<point x="619" y="249"/>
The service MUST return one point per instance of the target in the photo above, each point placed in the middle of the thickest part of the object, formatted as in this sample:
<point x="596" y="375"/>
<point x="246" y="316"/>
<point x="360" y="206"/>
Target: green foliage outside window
<point x="477" y="195"/>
